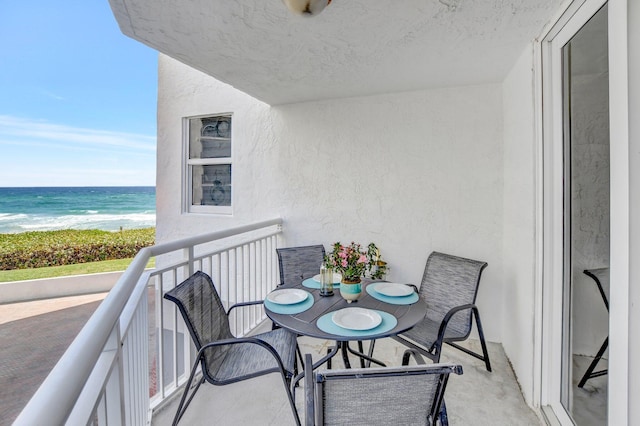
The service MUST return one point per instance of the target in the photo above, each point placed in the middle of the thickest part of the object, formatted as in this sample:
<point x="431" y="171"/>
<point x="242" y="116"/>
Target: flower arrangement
<point x="353" y="262"/>
<point x="377" y="267"/>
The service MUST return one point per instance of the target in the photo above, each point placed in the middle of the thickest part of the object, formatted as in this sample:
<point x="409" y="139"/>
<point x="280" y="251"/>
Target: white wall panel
<point x="519" y="220"/>
<point x="413" y="172"/>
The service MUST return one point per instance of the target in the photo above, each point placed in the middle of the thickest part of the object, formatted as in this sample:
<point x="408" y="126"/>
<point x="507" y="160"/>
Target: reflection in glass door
<point x="586" y="222"/>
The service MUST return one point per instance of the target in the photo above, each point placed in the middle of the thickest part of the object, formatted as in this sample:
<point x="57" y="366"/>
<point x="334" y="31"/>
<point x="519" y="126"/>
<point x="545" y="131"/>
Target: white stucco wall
<point x="519" y="229"/>
<point x="413" y="172"/>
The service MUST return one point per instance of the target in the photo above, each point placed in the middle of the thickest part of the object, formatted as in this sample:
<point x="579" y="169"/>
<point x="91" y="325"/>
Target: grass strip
<point x="66" y="270"/>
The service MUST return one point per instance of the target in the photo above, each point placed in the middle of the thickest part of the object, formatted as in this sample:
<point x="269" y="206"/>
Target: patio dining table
<point x="313" y="317"/>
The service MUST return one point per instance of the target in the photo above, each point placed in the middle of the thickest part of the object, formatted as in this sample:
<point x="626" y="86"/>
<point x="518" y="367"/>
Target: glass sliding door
<point x="587" y="211"/>
<point x="576" y="224"/>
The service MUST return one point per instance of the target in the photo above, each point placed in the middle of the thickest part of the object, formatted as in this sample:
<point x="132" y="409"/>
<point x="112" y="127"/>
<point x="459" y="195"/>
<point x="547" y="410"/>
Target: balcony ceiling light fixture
<point x="306" y="7"/>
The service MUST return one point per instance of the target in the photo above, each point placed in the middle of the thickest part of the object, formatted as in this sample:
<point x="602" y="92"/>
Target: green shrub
<point x="68" y="247"/>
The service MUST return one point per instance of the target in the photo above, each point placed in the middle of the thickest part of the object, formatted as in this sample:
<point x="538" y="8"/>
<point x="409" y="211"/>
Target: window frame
<point x="189" y="206"/>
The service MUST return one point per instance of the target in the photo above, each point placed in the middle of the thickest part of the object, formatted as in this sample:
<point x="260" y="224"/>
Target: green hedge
<point x="68" y="247"/>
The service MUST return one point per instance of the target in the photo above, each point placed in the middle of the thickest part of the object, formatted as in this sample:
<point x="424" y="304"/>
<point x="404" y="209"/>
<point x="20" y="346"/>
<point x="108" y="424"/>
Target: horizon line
<point x="79" y="186"/>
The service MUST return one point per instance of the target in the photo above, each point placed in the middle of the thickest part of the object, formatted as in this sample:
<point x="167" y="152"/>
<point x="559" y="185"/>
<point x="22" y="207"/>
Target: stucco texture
<point x="413" y="172"/>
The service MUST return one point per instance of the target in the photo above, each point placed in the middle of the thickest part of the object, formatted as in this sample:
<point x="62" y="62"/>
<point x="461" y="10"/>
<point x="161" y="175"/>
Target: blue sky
<point x="77" y="97"/>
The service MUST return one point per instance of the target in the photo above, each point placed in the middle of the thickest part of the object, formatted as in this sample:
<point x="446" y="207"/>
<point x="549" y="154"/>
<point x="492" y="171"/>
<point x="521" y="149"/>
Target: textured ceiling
<point x="353" y="48"/>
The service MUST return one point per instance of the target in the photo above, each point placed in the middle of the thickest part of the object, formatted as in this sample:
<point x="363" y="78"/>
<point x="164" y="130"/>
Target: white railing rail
<point x="104" y="376"/>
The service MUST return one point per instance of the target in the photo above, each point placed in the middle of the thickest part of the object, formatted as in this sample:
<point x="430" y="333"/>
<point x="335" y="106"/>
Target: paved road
<point x="33" y="337"/>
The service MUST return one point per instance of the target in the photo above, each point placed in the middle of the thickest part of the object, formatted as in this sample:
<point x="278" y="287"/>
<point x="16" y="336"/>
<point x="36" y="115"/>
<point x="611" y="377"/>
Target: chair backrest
<point x="299" y="263"/>
<point x="451" y="281"/>
<point x="205" y="317"/>
<point x="601" y="277"/>
<point x="408" y="395"/>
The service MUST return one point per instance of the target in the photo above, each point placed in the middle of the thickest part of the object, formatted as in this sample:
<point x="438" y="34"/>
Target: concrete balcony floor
<point x="475" y="398"/>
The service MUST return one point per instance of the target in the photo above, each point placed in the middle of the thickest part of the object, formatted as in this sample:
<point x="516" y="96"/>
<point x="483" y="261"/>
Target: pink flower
<point x="350" y="260"/>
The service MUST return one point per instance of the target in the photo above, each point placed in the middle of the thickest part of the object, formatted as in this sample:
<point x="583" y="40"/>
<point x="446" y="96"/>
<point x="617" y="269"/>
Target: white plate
<point x="356" y="318"/>
<point x="336" y="278"/>
<point x="288" y="296"/>
<point x="394" y="289"/>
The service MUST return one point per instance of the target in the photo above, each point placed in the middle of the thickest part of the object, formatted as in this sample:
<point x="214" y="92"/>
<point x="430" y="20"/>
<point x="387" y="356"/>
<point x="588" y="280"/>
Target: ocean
<point x="49" y="209"/>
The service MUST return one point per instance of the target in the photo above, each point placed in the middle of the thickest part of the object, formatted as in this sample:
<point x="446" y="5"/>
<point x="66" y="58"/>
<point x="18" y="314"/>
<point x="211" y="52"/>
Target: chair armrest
<point x="239" y="340"/>
<point x="447" y="318"/>
<point x="241" y="304"/>
<point x="309" y="400"/>
<point x="416" y="356"/>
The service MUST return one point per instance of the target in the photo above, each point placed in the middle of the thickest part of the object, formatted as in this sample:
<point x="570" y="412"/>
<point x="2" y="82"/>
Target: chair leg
<point x="345" y="354"/>
<point x="182" y="407"/>
<point x="485" y="352"/>
<point x="288" y="389"/>
<point x="295" y="361"/>
<point x="300" y="355"/>
<point x="364" y="357"/>
<point x="405" y="357"/>
<point x="589" y="373"/>
<point x="372" y="345"/>
<point x="444" y="419"/>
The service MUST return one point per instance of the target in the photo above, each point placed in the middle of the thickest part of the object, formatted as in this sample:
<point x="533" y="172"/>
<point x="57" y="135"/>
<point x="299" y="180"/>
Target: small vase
<point x="350" y="290"/>
<point x="326" y="281"/>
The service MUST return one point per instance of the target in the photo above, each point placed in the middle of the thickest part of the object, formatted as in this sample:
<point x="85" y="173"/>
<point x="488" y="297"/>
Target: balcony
<point x="128" y="363"/>
<point x="475" y="398"/>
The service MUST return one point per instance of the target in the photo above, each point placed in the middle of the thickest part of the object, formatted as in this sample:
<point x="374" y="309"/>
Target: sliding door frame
<point x="549" y="300"/>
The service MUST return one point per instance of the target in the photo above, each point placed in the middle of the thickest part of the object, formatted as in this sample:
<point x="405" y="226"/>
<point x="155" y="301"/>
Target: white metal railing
<point x="134" y="351"/>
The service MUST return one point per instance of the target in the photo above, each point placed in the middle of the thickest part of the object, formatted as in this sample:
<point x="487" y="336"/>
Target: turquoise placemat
<point x="290" y="309"/>
<point x="326" y="324"/>
<point x="401" y="300"/>
<point x="311" y="283"/>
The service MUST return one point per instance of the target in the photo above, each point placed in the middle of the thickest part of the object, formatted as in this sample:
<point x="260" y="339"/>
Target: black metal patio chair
<point x="223" y="358"/>
<point x="601" y="277"/>
<point x="449" y="288"/>
<point x="296" y="264"/>
<point x="407" y="395"/>
<point x="299" y="263"/>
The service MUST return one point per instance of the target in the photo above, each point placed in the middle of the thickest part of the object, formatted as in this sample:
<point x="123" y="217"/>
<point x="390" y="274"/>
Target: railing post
<point x="114" y="392"/>
<point x="190" y="260"/>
